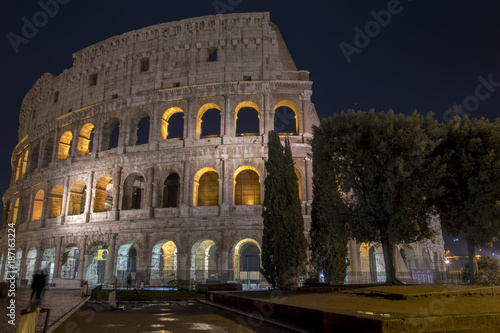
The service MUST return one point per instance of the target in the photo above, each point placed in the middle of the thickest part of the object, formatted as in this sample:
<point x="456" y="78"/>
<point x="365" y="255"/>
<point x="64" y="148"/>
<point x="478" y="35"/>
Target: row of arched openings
<point x="205" y="262"/>
<point x="246" y="119"/>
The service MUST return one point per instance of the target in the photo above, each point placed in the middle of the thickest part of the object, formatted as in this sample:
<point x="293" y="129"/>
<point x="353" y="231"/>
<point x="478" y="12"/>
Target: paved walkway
<point x="60" y="302"/>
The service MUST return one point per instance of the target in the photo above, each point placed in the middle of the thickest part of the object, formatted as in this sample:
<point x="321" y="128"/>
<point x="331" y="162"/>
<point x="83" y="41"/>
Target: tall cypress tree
<point x="329" y="236"/>
<point x="283" y="242"/>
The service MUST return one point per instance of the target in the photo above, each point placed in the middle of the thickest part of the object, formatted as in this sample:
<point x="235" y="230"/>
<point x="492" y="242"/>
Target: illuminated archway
<point x="15" y="211"/>
<point x="283" y="119"/>
<point x="165" y="121"/>
<point x="85" y="140"/>
<point x="246" y="186"/>
<point x="78" y="194"/>
<point x="96" y="266"/>
<point x="204" y="260"/>
<point x="55" y="201"/>
<point x="126" y="263"/>
<point x="38" y="206"/>
<point x="103" y="200"/>
<point x="249" y="124"/>
<point x="133" y="191"/>
<point x="247" y="261"/>
<point x="47" y="263"/>
<point x="199" y="118"/>
<point x="206" y="188"/>
<point x="372" y="263"/>
<point x="64" y="149"/>
<point x="299" y="182"/>
<point x="164" y="261"/>
<point x="70" y="262"/>
<point x="110" y="134"/>
<point x="24" y="163"/>
<point x="30" y="264"/>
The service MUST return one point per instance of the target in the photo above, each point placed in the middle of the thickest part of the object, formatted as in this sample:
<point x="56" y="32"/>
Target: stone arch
<point x="298" y="174"/>
<point x="24" y="163"/>
<point x="164" y="261"/>
<point x="64" y="148"/>
<point x="202" y="132"/>
<point x="246" y="186"/>
<point x="85" y="140"/>
<point x="103" y="199"/>
<point x="409" y="258"/>
<point x="167" y="129"/>
<point x="247" y="119"/>
<point x="96" y="267"/>
<point x="35" y="153"/>
<point x="48" y="262"/>
<point x="171" y="191"/>
<point x="77" y="198"/>
<point x="30" y="263"/>
<point x="70" y="261"/>
<point x="247" y="261"/>
<point x="110" y="134"/>
<point x="204" y="260"/>
<point x="55" y="201"/>
<point x="284" y="112"/>
<point x="17" y="168"/>
<point x="127" y="262"/>
<point x="372" y="263"/>
<point x="38" y="206"/>
<point x="133" y="191"/>
<point x="47" y="152"/>
<point x="15" y="211"/>
<point x="206" y="187"/>
<point x="141" y="123"/>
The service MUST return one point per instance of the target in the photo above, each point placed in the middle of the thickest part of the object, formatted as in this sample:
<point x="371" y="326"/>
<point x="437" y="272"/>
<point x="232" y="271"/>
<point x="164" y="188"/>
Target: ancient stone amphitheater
<point x="147" y="156"/>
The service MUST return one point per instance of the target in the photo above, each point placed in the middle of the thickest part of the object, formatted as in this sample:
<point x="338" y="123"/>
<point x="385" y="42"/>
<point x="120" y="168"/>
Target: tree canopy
<point x="387" y="176"/>
<point x="470" y="151"/>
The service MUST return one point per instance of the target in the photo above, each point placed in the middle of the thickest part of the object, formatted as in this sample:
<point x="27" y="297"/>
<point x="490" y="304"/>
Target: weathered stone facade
<point x="152" y="147"/>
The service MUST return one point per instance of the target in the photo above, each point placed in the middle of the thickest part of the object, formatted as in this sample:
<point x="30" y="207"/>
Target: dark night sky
<point x="428" y="57"/>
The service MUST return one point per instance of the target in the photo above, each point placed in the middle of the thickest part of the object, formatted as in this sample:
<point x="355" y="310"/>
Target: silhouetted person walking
<point x="129" y="280"/>
<point x="38" y="284"/>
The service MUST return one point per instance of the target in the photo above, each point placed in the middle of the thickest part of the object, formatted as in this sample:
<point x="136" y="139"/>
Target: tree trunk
<point x="472" y="262"/>
<point x="391" y="269"/>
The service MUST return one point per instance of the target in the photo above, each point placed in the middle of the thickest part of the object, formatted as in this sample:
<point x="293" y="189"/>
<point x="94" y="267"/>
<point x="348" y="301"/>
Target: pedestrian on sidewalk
<point x="129" y="281"/>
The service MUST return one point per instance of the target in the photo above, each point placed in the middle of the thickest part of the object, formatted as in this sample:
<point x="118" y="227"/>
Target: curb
<point x="66" y="316"/>
<point x="257" y="317"/>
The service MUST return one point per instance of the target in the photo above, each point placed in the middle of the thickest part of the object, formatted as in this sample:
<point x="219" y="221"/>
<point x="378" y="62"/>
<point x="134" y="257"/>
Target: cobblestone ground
<point x="59" y="301"/>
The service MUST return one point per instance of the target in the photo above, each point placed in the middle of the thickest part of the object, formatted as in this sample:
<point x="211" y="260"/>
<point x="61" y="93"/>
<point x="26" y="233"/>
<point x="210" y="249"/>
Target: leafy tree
<point x="283" y="242"/>
<point x="328" y="234"/>
<point x="488" y="272"/>
<point x="470" y="203"/>
<point x="387" y="176"/>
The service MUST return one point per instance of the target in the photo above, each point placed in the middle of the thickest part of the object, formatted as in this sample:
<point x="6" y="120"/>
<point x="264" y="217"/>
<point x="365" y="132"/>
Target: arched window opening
<point x="18" y="165"/>
<point x="70" y="262"/>
<point x="55" y="201"/>
<point x="48" y="261"/>
<point x="246" y="117"/>
<point x="286" y="118"/>
<point x="206" y="188"/>
<point x="133" y="192"/>
<point x="171" y="191"/>
<point x="143" y="131"/>
<point x="85" y="140"/>
<point x="30" y="264"/>
<point x="208" y="121"/>
<point x="77" y="198"/>
<point x="96" y="263"/>
<point x="299" y="183"/>
<point x="15" y="211"/>
<point x="25" y="163"/>
<point x="172" y="124"/>
<point x="47" y="153"/>
<point x="35" y="152"/>
<point x="126" y="263"/>
<point x="204" y="260"/>
<point x="110" y="134"/>
<point x="247" y="187"/>
<point x="372" y="263"/>
<point x="103" y="200"/>
<point x="38" y="206"/>
<point x="247" y="262"/>
<point x="164" y="261"/>
<point x="64" y="150"/>
<point x="408" y="255"/>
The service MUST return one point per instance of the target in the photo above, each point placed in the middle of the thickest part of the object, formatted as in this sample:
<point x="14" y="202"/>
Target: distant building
<point x="147" y="157"/>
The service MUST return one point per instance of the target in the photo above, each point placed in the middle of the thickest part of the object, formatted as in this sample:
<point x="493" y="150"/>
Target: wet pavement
<point x="168" y="317"/>
<point x="59" y="301"/>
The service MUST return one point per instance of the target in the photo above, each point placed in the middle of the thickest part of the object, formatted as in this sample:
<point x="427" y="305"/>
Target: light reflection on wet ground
<point x="174" y="317"/>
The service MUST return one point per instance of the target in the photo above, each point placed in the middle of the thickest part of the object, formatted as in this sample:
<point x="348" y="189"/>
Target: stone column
<point x="65" y="199"/>
<point x="110" y="261"/>
<point x="89" y="209"/>
<point x="57" y="259"/>
<point x="118" y="190"/>
<point x="150" y="184"/>
<point x="83" y="261"/>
